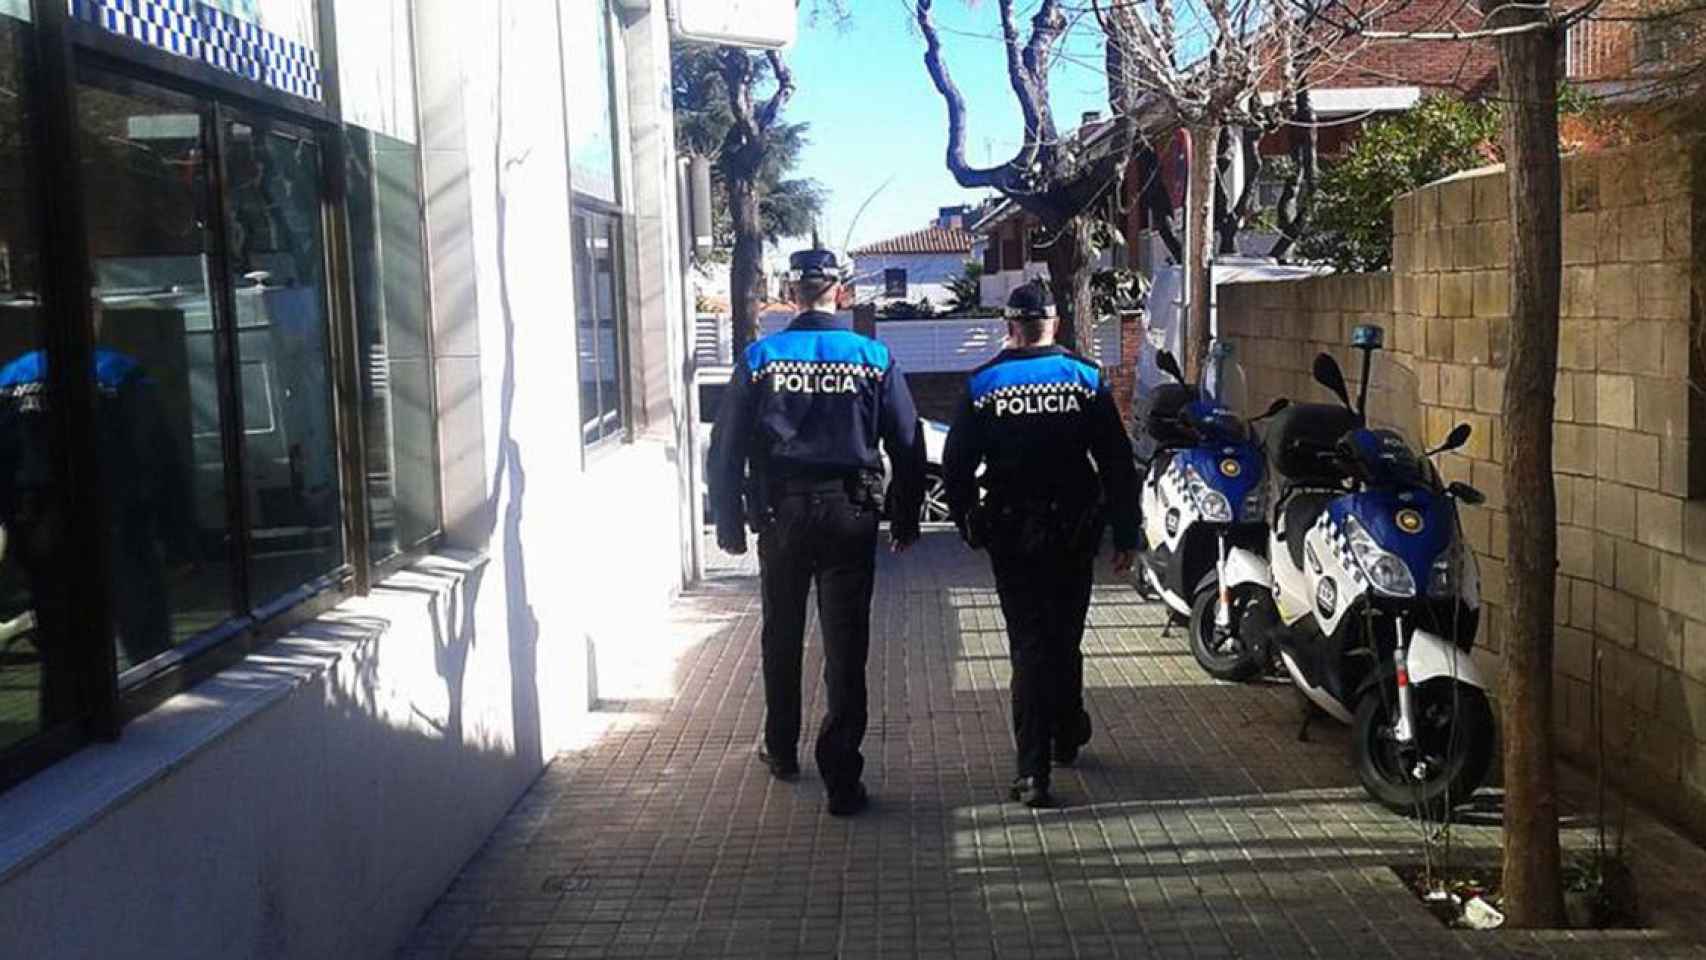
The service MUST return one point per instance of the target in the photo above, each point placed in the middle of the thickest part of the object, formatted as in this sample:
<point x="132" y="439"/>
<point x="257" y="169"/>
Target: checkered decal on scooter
<point x="1341" y="545"/>
<point x="198" y="31"/>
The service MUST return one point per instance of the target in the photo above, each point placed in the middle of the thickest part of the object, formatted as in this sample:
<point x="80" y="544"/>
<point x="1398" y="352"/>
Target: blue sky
<point x="875" y="116"/>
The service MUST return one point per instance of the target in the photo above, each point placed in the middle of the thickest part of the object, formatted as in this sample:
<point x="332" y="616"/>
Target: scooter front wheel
<point x="1224" y="654"/>
<point x="1448" y="758"/>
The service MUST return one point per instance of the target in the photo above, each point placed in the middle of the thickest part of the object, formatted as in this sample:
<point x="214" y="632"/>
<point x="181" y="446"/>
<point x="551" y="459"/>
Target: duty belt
<point x="799" y="486"/>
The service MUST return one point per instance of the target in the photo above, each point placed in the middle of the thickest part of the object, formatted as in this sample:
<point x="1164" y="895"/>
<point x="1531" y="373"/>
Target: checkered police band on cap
<point x="200" y="31"/>
<point x="814" y="265"/>
<point x="1029" y="302"/>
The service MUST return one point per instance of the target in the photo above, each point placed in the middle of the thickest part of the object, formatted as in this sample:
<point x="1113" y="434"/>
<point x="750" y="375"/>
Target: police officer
<point x="1035" y="417"/>
<point x="796" y="437"/>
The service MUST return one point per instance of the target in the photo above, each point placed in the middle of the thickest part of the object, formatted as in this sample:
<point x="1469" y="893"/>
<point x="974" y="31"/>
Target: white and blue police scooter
<point x="1203" y="501"/>
<point x="1372" y="598"/>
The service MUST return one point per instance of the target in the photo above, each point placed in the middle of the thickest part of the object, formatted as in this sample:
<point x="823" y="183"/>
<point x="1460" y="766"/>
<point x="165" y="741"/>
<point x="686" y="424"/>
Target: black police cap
<point x="1029" y="302"/>
<point x="815" y="265"/>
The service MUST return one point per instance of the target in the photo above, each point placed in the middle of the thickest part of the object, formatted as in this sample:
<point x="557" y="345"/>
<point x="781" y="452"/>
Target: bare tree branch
<point x="784" y="91"/>
<point x="964" y="173"/>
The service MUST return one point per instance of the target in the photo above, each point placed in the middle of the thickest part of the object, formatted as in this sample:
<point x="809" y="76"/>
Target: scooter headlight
<point x="1211" y="503"/>
<point x="1386" y="573"/>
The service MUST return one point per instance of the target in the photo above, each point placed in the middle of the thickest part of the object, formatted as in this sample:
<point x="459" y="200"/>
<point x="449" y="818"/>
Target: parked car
<point x="708" y="385"/>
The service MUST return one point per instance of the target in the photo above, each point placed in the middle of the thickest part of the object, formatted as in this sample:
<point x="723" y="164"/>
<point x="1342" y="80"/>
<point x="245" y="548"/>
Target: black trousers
<point x="818" y="536"/>
<point x="1045" y="597"/>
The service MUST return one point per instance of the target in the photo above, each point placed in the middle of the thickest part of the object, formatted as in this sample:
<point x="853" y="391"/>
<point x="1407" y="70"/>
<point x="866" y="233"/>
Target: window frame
<point x="624" y="434"/>
<point x="65" y="49"/>
<point x="890" y="275"/>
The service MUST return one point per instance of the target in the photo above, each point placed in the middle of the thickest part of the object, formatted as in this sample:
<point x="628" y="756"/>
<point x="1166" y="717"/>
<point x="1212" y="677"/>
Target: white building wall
<point x="316" y="800"/>
<point x="927" y="276"/>
<point x="997" y="286"/>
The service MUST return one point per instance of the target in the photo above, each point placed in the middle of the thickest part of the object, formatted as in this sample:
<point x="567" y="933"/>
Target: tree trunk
<point x="1070" y="259"/>
<point x="746" y="266"/>
<point x="1199" y="247"/>
<point x="1529" y="77"/>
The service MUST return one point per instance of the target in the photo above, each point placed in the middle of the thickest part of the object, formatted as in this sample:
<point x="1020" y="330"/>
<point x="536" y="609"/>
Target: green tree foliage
<point x="788" y="206"/>
<point x="1352" y="218"/>
<point x="965" y="292"/>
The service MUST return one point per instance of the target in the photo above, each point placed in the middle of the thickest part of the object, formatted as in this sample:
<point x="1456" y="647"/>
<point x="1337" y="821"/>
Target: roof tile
<point x="931" y="240"/>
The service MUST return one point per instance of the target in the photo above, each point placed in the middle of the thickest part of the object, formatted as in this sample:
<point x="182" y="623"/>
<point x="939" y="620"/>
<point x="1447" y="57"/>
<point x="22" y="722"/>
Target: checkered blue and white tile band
<point x="190" y="28"/>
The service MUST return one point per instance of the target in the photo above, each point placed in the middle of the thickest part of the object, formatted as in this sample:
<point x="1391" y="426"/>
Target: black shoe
<point x="1031" y="791"/>
<point x="1066" y="747"/>
<point x="846" y="803"/>
<point x="782" y="768"/>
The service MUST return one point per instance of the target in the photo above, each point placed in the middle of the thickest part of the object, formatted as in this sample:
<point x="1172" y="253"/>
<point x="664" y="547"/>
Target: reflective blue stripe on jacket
<point x="815" y="400"/>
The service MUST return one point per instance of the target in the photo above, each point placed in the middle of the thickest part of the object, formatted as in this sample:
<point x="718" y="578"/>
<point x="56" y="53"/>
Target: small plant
<point x="907" y="310"/>
<point x="1116" y="291"/>
<point x="1599" y="891"/>
<point x="965" y="292"/>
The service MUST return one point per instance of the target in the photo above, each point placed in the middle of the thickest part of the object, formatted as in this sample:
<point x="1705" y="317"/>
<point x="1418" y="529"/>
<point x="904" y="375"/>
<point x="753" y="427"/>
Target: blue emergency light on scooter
<point x="1204" y="494"/>
<point x="1369" y="597"/>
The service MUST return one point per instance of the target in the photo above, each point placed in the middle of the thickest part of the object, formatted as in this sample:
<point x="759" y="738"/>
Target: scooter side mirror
<point x="1328" y="374"/>
<point x="1458" y="436"/>
<point x="1464" y="493"/>
<point x="1169" y="365"/>
<point x="1275" y="408"/>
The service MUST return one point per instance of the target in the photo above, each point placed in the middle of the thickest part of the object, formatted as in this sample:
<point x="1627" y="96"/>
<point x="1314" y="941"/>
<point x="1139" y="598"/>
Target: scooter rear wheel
<point x="1230" y="657"/>
<point x="1454" y="739"/>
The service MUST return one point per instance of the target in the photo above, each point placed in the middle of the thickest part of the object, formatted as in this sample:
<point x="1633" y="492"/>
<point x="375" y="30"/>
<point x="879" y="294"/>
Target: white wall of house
<point x="927" y="275"/>
<point x="315" y="800"/>
<point x="997" y="286"/>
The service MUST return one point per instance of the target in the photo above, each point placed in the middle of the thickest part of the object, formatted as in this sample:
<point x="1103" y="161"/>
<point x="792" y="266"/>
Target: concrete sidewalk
<point x="1196" y="824"/>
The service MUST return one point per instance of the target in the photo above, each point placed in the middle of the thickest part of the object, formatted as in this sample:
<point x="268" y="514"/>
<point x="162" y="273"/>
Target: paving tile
<point x="1196" y="825"/>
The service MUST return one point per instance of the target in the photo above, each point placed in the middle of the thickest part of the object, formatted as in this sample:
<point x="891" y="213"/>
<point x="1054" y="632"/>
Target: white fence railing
<point x="920" y="346"/>
<point x="945" y="346"/>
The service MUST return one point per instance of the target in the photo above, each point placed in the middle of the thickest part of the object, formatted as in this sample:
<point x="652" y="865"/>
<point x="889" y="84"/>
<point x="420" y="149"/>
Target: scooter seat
<point x="1301" y="512"/>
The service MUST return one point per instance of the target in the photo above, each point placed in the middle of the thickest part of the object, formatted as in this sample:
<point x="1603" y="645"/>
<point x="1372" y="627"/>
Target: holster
<point x="865" y="489"/>
<point x="760" y="508"/>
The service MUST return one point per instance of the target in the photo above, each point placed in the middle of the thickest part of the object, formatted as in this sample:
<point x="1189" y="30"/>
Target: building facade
<point x="337" y="336"/>
<point x="915" y="266"/>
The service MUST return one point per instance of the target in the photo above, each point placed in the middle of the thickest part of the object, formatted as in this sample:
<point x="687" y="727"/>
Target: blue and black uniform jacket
<point x="1042" y="423"/>
<point x="141" y="470"/>
<point x="812" y="402"/>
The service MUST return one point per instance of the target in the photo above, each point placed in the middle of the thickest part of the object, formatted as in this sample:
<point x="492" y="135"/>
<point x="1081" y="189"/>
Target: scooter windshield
<point x="1223" y="383"/>
<point x="1394" y="399"/>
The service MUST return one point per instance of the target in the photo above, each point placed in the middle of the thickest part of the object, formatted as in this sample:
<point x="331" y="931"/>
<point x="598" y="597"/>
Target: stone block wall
<point x="1630" y="437"/>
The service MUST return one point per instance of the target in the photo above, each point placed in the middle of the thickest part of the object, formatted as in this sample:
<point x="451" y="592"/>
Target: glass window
<point x="588" y="73"/>
<point x="392" y="318"/>
<point x="894" y="282"/>
<point x="37" y="687"/>
<point x="389" y="267"/>
<point x="598" y="330"/>
<point x="277" y="266"/>
<point x="159" y="411"/>
<point x="376" y="66"/>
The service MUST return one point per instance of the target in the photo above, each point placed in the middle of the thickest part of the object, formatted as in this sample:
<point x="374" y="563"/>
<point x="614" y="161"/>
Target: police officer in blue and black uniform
<point x="796" y="440"/>
<point x="145" y="491"/>
<point x="1042" y="423"/>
